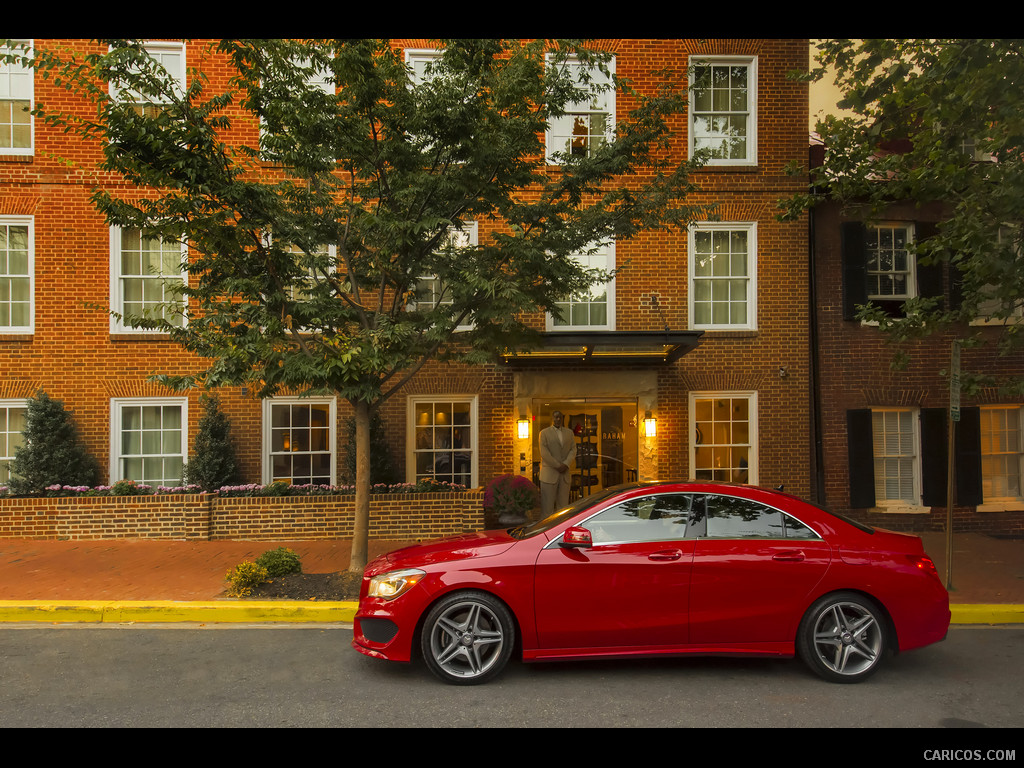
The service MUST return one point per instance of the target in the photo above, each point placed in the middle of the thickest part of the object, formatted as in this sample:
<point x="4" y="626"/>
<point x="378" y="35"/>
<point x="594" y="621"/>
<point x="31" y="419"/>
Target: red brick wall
<point x="203" y="517"/>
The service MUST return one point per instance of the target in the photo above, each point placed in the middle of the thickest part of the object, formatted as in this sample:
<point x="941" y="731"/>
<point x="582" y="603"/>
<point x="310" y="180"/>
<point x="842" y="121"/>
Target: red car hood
<point x="467" y="545"/>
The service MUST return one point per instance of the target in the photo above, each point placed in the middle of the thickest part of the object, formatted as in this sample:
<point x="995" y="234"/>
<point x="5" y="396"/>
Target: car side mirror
<point x="577" y="538"/>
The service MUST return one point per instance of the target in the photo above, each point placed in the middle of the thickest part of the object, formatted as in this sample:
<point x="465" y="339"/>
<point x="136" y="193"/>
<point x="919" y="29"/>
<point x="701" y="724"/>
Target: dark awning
<point x="606" y="348"/>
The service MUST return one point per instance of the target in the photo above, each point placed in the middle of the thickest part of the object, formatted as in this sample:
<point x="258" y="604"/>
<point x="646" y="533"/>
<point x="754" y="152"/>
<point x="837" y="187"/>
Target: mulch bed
<point x="310" y="586"/>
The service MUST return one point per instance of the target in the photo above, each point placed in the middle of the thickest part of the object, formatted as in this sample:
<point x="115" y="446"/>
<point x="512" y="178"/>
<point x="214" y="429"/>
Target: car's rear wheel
<point x="467" y="638"/>
<point x="843" y="637"/>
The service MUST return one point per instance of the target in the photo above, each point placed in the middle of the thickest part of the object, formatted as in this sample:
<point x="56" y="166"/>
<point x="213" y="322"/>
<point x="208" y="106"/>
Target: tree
<point x="213" y="463"/>
<point x="317" y="191"/>
<point x="937" y="121"/>
<point x="51" y="453"/>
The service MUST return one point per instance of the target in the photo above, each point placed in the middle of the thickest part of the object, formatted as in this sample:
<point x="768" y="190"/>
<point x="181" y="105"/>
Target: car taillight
<point x="925" y="563"/>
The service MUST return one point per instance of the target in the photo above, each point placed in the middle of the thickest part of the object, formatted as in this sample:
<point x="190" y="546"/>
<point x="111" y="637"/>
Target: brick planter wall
<point x="203" y="517"/>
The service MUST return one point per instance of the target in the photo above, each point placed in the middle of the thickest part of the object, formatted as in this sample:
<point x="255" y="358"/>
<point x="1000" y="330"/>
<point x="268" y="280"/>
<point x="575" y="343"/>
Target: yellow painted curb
<point x="996" y="613"/>
<point x="166" y="611"/>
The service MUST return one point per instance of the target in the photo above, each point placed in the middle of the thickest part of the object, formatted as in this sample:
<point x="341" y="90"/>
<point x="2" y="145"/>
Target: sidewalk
<point x="130" y="580"/>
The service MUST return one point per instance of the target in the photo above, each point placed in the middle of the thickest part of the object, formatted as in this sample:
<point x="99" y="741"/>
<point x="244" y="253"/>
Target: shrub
<point x="213" y="461"/>
<point x="244" y="578"/>
<point x="280" y="562"/>
<point x="511" y="496"/>
<point x="51" y="453"/>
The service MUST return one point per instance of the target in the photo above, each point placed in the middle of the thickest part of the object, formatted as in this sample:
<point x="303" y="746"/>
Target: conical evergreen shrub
<point x="213" y="464"/>
<point x="51" y="453"/>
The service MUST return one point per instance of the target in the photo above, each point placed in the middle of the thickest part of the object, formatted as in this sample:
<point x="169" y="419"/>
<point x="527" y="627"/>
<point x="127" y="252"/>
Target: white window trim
<point x="30" y="149"/>
<point x="117" y="324"/>
<point x="265" y="452"/>
<point x="751" y="228"/>
<point x="902" y="506"/>
<point x="425" y="55"/>
<point x="751" y="63"/>
<point x="753" y="465"/>
<point x="912" y="289"/>
<point x="116" y="406"/>
<point x="470" y="229"/>
<point x="28" y="221"/>
<point x="159" y="46"/>
<point x="609" y="95"/>
<point x="610" y="298"/>
<point x="410" y="432"/>
<point x="7" y="403"/>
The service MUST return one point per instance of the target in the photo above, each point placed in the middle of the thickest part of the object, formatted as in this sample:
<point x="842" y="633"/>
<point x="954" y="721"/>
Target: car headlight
<point x="390" y="585"/>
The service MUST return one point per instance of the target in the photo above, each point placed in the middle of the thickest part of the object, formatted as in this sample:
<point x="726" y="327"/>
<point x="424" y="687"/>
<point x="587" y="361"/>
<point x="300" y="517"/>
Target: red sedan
<point x="662" y="568"/>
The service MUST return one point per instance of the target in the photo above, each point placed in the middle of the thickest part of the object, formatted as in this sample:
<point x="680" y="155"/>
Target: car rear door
<point x="753" y="568"/>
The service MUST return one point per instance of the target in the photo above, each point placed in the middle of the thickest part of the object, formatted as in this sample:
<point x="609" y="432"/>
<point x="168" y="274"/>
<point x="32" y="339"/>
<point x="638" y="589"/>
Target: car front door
<point x="629" y="590"/>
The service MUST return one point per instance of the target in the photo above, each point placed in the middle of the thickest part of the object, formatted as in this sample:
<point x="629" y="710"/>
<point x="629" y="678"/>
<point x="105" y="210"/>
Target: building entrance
<point x="607" y="440"/>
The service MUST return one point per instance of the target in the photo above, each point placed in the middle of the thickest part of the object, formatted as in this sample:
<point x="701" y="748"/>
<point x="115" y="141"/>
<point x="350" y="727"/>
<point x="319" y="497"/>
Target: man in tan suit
<point x="557" y="451"/>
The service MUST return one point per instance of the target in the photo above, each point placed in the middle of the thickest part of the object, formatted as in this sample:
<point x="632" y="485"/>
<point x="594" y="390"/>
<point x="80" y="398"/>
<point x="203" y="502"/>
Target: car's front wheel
<point x="843" y="637"/>
<point x="467" y="638"/>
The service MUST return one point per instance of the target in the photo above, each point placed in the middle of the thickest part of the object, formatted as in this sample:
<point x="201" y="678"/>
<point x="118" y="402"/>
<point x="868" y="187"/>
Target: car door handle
<point x="789" y="556"/>
<point x="665" y="554"/>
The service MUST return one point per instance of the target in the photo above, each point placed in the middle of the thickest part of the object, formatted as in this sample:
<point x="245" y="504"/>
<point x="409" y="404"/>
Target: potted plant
<point x="511" y="498"/>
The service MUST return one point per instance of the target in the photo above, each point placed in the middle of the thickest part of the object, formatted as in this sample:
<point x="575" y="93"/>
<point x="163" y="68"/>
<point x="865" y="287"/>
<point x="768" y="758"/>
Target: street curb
<point x="169" y="611"/>
<point x="996" y="613"/>
<point x="294" y="611"/>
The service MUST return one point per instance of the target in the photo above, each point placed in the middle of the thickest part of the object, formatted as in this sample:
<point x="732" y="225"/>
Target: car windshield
<point x="549" y="522"/>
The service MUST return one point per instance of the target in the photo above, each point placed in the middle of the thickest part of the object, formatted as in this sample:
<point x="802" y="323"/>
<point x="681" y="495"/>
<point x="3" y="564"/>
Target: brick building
<point x="883" y="448"/>
<point x="706" y="332"/>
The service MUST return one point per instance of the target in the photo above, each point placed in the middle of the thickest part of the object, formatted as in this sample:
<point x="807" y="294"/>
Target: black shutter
<point x="860" y="450"/>
<point x="968" y="458"/>
<point x="854" y="267"/>
<point x="934" y="457"/>
<point x="929" y="276"/>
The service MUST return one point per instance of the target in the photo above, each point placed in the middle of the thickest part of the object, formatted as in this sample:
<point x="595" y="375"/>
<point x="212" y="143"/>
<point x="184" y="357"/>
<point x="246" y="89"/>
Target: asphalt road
<point x="288" y="676"/>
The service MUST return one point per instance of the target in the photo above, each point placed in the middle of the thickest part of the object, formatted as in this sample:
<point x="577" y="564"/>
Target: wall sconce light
<point x="523" y="427"/>
<point x="650" y="425"/>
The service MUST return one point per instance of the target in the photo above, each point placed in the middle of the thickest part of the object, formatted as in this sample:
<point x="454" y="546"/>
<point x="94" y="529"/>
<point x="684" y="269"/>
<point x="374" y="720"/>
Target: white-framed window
<point x="723" y="275"/>
<point x="149" y="440"/>
<point x="300" y="440"/>
<point x="170" y="56"/>
<point x="723" y="444"/>
<point x="595" y="309"/>
<point x="420" y="61"/>
<point x="993" y="310"/>
<point x="301" y="289"/>
<point x="895" y="441"/>
<point x="16" y="102"/>
<point x="723" y="109"/>
<point x="586" y="124"/>
<point x="442" y="439"/>
<point x="1002" y="453"/>
<point x="13" y="416"/>
<point x="431" y="291"/>
<point x="17" y="274"/>
<point x="146" y="277"/>
<point x="891" y="265"/>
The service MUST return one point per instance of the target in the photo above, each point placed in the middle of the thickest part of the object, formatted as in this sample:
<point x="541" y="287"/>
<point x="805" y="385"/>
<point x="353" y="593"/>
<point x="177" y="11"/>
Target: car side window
<point x="729" y="517"/>
<point x="659" y="517"/>
<point x="734" y="518"/>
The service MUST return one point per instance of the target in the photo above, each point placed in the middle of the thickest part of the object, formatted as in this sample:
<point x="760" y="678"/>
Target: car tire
<point x="467" y="638"/>
<point x="843" y="637"/>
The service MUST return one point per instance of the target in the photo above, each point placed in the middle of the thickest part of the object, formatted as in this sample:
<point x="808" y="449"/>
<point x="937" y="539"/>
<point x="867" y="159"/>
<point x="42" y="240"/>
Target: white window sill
<point x="901" y="509"/>
<point x="1012" y="505"/>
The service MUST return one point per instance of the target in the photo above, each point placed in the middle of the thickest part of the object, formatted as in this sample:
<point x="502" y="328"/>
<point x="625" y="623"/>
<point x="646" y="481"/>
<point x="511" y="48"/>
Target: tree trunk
<point x="361" y="524"/>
